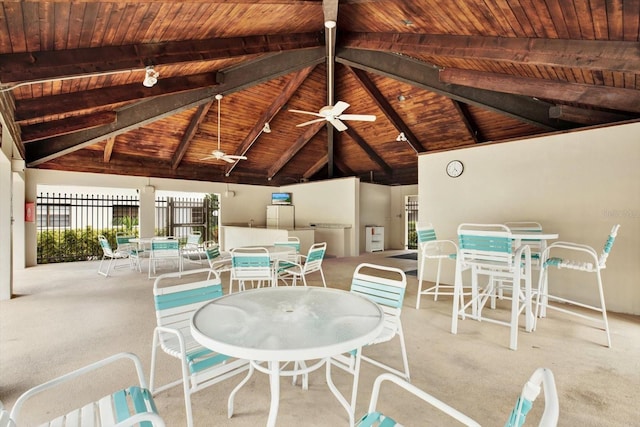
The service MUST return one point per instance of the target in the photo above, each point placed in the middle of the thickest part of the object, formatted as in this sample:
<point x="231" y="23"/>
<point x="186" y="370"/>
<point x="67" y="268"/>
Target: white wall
<point x="331" y="202"/>
<point x="578" y="184"/>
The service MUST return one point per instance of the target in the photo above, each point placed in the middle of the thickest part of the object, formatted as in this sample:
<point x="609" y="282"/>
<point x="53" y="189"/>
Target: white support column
<point x="6" y="240"/>
<point x="18" y="197"/>
<point x="147" y="213"/>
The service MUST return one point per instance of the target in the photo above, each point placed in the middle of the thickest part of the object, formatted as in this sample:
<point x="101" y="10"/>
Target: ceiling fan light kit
<point x="150" y="77"/>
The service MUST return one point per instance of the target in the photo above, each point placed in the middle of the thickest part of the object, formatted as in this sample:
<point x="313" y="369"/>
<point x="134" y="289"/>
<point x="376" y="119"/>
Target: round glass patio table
<point x="282" y="324"/>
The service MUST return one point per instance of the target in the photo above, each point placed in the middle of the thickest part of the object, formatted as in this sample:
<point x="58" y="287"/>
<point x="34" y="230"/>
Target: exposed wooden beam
<point x="108" y="149"/>
<point x="587" y="116"/>
<point x="367" y="149"/>
<point x="268" y="67"/>
<point x="611" y="55"/>
<point x="316" y="167"/>
<point x="368" y="85"/>
<point x="56" y="64"/>
<point x="185" y="141"/>
<point x="150" y="110"/>
<point x="28" y="109"/>
<point x="7" y="109"/>
<point x="601" y="96"/>
<point x="302" y="140"/>
<point x="463" y="112"/>
<point x="425" y="76"/>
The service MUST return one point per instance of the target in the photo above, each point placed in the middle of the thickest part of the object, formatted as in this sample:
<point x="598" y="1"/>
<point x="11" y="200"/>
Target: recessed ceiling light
<point x="401" y="98"/>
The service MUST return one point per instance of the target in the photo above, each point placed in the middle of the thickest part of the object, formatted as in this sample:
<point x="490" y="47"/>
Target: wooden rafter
<point x="463" y="112"/>
<point x="66" y="126"/>
<point x="368" y="85"/>
<point x="612" y="55"/>
<point x="367" y="149"/>
<point x="291" y="151"/>
<point x="185" y="141"/>
<point x="601" y="96"/>
<point x="108" y="149"/>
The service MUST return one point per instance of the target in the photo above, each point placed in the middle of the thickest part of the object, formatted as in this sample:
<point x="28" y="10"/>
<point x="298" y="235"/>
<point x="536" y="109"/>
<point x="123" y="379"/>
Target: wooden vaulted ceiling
<point x="445" y="74"/>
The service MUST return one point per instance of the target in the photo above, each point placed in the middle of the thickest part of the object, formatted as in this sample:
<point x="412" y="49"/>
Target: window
<point x="126" y="215"/>
<point x="57" y="216"/>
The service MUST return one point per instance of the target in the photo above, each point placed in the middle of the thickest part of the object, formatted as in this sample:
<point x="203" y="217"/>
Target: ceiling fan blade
<point x="306" y="112"/>
<point x="233" y="156"/>
<point x="338" y="125"/>
<point x="227" y="159"/>
<point x="339" y="108"/>
<point x="361" y="117"/>
<point x="311" y="122"/>
<point x="208" y="158"/>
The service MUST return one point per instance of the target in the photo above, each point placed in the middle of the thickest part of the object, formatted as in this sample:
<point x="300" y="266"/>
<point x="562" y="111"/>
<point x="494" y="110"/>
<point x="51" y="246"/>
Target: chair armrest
<point x="439" y="248"/>
<point x="75" y="374"/>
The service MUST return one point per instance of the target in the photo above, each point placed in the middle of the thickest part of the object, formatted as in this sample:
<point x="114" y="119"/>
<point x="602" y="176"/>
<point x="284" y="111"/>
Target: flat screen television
<point x="280" y="198"/>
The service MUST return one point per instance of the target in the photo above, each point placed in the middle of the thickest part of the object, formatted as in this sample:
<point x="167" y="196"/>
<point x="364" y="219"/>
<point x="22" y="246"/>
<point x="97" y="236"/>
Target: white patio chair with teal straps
<point x="530" y="392"/>
<point x="164" y="250"/>
<point x="583" y="258"/>
<point x="385" y="286"/>
<point x="130" y="406"/>
<point x="310" y="263"/>
<point x="488" y="250"/>
<point x="177" y="296"/>
<point x="432" y="249"/>
<point x="109" y="253"/>
<point x="375" y="418"/>
<point x="218" y="261"/>
<point x="251" y="265"/>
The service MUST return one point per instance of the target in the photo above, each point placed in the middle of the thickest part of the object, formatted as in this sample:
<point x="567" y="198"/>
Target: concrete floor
<point x="66" y="316"/>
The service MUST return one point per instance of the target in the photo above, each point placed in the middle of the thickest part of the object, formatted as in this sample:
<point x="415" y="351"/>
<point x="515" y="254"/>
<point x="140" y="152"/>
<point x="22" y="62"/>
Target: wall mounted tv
<point x="280" y="198"/>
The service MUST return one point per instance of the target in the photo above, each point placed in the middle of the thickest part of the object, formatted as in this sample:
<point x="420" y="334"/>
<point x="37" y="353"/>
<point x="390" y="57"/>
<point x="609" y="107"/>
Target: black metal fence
<point x="411" y="208"/>
<point x="69" y="224"/>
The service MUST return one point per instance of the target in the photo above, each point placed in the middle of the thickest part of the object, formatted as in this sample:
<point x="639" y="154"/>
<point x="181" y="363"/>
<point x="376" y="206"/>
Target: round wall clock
<point x="455" y="168"/>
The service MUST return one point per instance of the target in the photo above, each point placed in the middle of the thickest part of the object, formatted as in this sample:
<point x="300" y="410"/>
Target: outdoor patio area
<point x="66" y="316"/>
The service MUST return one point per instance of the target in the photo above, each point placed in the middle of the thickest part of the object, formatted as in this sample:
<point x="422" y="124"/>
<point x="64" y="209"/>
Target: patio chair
<point x="253" y="265"/>
<point x="127" y="407"/>
<point x="432" y="249"/>
<point x="125" y="246"/>
<point x="488" y="250"/>
<point x="177" y="296"/>
<point x="374" y="417"/>
<point x="584" y="259"/>
<point x="386" y="287"/>
<point x="529" y="394"/>
<point x="113" y="256"/>
<point x="218" y="261"/>
<point x="164" y="251"/>
<point x="308" y="264"/>
<point x="537" y="245"/>
<point x="193" y="250"/>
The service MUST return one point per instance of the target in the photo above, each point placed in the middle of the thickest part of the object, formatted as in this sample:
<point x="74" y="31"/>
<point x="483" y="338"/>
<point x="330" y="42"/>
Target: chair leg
<point x="324" y="282"/>
<point x="603" y="308"/>
<point x="437" y="287"/>
<point x="420" y="278"/>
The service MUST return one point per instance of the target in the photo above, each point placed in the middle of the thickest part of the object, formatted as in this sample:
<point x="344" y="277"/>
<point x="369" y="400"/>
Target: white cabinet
<point x="374" y="239"/>
<point x="280" y="217"/>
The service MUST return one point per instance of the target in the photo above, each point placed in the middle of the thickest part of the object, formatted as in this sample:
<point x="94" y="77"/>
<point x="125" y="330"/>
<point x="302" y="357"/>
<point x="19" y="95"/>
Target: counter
<point x="233" y="236"/>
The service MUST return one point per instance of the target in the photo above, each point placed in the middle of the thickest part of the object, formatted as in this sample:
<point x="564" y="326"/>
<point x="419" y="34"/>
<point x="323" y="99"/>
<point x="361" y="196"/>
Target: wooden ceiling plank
<point x="66" y="126"/>
<point x="367" y="149"/>
<point x="185" y="141"/>
<point x="613" y="55"/>
<point x="47" y="65"/>
<point x="425" y="76"/>
<point x="302" y="140"/>
<point x="614" y="98"/>
<point x="369" y="86"/>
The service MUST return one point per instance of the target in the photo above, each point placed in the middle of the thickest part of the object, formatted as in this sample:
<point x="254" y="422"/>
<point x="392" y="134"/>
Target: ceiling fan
<point x="219" y="154"/>
<point x="334" y="116"/>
